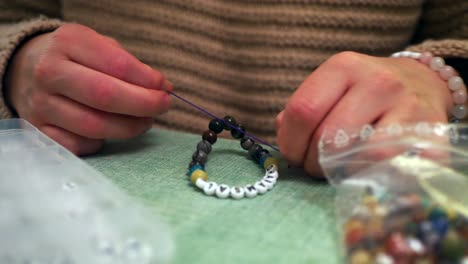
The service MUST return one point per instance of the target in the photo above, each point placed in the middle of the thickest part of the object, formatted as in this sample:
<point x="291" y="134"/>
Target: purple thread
<point x="222" y="120"/>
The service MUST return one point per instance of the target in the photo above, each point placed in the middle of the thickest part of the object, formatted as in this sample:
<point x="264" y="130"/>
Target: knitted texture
<point x="245" y="58"/>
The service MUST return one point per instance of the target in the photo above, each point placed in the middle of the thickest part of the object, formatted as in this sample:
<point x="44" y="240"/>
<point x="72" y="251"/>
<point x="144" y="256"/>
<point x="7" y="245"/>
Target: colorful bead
<point x="229" y="120"/>
<point x="237" y="134"/>
<point x="453" y="246"/>
<point x="198" y="174"/>
<point x="195" y="167"/>
<point x="254" y="149"/>
<point x="216" y="126"/>
<point x="361" y="257"/>
<point x="270" y="161"/>
<point x="247" y="143"/>
<point x="261" y="154"/>
<point x="204" y="146"/>
<point x="199" y="177"/>
<point x="200" y="156"/>
<point x="210" y="136"/>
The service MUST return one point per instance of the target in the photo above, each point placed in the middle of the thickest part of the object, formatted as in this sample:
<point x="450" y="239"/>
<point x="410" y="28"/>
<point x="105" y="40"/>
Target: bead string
<point x="199" y="177"/>
<point x="220" y="119"/>
<point x="447" y="73"/>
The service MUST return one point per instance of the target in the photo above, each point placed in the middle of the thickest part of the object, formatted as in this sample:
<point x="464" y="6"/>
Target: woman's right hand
<point x="80" y="87"/>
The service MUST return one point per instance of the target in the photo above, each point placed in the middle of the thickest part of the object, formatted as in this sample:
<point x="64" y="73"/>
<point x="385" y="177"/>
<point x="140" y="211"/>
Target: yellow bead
<point x="451" y="213"/>
<point x="198" y="174"/>
<point x="354" y="225"/>
<point x="361" y="257"/>
<point x="269" y="161"/>
<point x="370" y="201"/>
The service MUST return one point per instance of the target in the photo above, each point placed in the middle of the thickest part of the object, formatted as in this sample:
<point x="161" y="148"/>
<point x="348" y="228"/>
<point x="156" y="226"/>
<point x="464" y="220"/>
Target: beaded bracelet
<point x="199" y="177"/>
<point x="447" y="73"/>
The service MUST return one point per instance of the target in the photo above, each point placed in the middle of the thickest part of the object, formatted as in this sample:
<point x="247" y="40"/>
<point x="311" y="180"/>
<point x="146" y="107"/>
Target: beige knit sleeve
<point x="443" y="29"/>
<point x="11" y="37"/>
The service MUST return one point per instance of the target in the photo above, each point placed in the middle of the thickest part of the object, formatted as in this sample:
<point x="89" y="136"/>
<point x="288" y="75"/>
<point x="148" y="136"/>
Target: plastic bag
<point x="402" y="192"/>
<point x="57" y="209"/>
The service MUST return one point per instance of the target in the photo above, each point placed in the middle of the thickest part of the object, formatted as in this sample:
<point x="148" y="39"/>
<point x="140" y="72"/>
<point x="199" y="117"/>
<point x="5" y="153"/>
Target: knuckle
<point x="385" y="82"/>
<point x="302" y="110"/>
<point x="44" y="70"/>
<point x="346" y="59"/>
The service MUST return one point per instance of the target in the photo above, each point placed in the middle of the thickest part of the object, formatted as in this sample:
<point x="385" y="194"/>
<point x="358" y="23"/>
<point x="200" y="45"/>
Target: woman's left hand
<point x="351" y="90"/>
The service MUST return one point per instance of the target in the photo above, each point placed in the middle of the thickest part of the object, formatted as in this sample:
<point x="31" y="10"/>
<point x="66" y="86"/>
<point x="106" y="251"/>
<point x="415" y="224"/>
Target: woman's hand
<point x="80" y="87"/>
<point x="351" y="90"/>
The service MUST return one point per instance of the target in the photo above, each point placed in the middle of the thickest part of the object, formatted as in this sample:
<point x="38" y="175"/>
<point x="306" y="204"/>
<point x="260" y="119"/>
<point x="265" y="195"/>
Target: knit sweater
<point x="243" y="58"/>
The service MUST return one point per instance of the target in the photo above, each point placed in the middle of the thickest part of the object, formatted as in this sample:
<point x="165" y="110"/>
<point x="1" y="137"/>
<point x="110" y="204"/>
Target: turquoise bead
<point x="195" y="167"/>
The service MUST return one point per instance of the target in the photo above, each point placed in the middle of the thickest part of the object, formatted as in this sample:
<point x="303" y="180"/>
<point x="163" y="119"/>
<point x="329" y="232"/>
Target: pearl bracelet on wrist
<point x="447" y="73"/>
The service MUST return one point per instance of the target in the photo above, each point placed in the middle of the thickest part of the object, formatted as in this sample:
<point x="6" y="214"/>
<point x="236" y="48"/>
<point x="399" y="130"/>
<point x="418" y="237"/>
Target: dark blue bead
<point x="216" y="126"/>
<point x="238" y="134"/>
<point x="440" y="225"/>
<point x="230" y="120"/>
<point x="254" y="149"/>
<point x="260" y="154"/>
<point x="263" y="158"/>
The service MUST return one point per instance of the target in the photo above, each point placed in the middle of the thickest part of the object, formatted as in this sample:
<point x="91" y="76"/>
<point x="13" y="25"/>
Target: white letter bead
<point x="237" y="192"/>
<point x="250" y="191"/>
<point x="272" y="174"/>
<point x="200" y="183"/>
<point x="437" y="63"/>
<point x="223" y="191"/>
<point x="210" y="188"/>
<point x="261" y="187"/>
<point x="271" y="168"/>
<point x="268" y="183"/>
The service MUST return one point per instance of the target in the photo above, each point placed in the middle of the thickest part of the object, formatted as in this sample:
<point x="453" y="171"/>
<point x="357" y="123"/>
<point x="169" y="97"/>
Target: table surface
<point x="293" y="223"/>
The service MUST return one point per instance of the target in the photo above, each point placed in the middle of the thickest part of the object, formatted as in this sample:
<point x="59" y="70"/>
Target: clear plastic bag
<point x="402" y="192"/>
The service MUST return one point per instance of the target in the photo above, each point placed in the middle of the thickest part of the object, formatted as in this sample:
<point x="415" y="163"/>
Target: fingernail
<point x="168" y="86"/>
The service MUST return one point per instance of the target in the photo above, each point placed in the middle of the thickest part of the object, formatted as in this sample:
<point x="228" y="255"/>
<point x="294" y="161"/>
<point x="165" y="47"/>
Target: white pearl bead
<point x="261" y="187"/>
<point x="459" y="111"/>
<point x="396" y="55"/>
<point x="210" y="188"/>
<point x="237" y="192"/>
<point x="406" y="54"/>
<point x="455" y="83"/>
<point x="415" y="55"/>
<point x="437" y="63"/>
<point x="200" y="183"/>
<point x="223" y="191"/>
<point x="250" y="191"/>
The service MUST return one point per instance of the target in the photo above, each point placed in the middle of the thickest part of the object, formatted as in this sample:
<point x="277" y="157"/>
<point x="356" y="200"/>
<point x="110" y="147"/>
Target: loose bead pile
<point x="199" y="177"/>
<point x="447" y="73"/>
<point x="405" y="229"/>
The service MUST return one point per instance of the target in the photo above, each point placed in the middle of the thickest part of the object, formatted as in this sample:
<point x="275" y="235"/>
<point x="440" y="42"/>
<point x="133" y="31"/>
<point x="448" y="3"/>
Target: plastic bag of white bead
<point x="57" y="209"/>
<point x="401" y="192"/>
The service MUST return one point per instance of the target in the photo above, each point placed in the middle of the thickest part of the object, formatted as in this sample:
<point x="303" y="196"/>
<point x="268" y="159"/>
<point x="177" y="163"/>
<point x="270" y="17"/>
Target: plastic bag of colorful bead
<point x="401" y="192"/>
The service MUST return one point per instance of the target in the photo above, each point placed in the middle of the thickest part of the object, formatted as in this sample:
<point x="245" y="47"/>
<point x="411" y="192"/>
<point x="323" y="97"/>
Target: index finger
<point x="310" y="105"/>
<point x="97" y="52"/>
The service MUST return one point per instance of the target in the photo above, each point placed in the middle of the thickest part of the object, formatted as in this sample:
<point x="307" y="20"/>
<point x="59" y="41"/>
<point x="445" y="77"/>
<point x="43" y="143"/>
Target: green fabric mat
<point x="293" y="223"/>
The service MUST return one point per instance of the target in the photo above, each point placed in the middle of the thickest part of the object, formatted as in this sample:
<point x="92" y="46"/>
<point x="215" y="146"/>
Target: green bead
<point x="453" y="246"/>
<point x="437" y="212"/>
